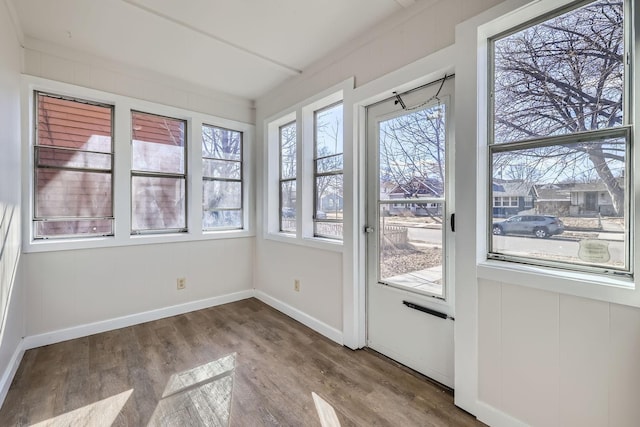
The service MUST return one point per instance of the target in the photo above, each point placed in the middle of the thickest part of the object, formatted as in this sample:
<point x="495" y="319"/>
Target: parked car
<point x="541" y="226"/>
<point x="321" y="215"/>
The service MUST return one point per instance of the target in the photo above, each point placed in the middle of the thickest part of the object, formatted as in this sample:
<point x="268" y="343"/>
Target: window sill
<point x="51" y="245"/>
<point x="310" y="242"/>
<point x="616" y="290"/>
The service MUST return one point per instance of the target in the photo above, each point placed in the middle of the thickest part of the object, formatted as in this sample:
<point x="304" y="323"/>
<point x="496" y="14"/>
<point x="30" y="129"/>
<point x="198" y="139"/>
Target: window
<point x="288" y="181"/>
<point x="158" y="175"/>
<point x="222" y="178"/>
<point x="505" y="201"/>
<point x="560" y="124"/>
<point x="73" y="167"/>
<point x="328" y="175"/>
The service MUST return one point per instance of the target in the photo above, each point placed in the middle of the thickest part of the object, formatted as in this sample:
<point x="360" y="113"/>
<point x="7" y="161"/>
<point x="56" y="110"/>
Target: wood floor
<point x="239" y="364"/>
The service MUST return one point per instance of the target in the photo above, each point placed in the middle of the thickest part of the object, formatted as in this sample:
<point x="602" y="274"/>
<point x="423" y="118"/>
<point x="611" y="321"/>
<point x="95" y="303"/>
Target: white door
<point x="409" y="207"/>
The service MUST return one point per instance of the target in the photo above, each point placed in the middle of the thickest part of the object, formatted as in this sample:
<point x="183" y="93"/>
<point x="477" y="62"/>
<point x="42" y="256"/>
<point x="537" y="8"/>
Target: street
<point x="555" y="246"/>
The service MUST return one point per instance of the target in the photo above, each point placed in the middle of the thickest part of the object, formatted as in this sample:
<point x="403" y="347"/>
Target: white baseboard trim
<point x="10" y="371"/>
<point x="320" y="327"/>
<point x="130" y="320"/>
<point x="496" y="418"/>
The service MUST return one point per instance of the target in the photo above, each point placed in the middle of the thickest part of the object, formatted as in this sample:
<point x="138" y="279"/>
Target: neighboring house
<point x="591" y="199"/>
<point x="331" y="203"/>
<point x="417" y="188"/>
<point x="552" y="199"/>
<point x="574" y="199"/>
<point x="511" y="197"/>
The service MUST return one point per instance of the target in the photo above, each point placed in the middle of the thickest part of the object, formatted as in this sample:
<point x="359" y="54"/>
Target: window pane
<point x="329" y="131"/>
<point x="158" y="203"/>
<point x="72" y="159"/>
<point x="329" y="200"/>
<point x="411" y="249"/>
<point x="219" y="143"/>
<point x="222" y="219"/>
<point x="221" y="195"/>
<point x="102" y="227"/>
<point x="288" y="206"/>
<point x="412" y="154"/>
<point x="64" y="193"/>
<point x="330" y="230"/>
<point x="562" y="76"/>
<point x="158" y="143"/>
<point x="329" y="164"/>
<point x="288" y="151"/>
<point x="221" y="169"/>
<point x="578" y="197"/>
<point x="73" y="124"/>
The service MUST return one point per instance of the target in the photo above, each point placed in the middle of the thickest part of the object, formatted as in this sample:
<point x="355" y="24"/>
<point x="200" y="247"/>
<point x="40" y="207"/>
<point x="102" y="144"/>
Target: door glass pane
<point x="412" y="154"/>
<point x="410" y="254"/>
<point x="412" y="166"/>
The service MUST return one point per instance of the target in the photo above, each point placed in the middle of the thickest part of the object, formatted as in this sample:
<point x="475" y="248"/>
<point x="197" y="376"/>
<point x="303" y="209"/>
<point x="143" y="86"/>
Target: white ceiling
<point x="241" y="47"/>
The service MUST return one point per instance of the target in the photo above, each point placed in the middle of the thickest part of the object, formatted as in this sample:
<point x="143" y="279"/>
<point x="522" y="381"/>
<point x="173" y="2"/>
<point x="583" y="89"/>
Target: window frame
<point x="302" y="113"/>
<point x="240" y="180"/>
<point x="35" y="115"/>
<point x="293" y="179"/>
<point x="157" y="174"/>
<point x="625" y="130"/>
<point x="122" y="169"/>
<point x="316" y="174"/>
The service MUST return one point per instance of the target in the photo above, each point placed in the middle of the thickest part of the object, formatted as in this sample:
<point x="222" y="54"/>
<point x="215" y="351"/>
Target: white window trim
<point x="474" y="34"/>
<point x="303" y="114"/>
<point x="122" y="169"/>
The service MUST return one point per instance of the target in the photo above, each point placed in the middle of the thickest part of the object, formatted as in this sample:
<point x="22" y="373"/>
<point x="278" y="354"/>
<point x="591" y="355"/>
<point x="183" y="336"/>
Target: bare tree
<point x="412" y="151"/>
<point x="329" y="155"/>
<point x="564" y="76"/>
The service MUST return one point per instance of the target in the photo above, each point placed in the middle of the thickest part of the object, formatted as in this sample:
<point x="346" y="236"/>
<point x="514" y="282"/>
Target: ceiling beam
<point x="285" y="67"/>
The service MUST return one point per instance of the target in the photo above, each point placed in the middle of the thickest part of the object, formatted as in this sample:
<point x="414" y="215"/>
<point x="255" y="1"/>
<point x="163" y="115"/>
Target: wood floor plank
<point x="240" y="364"/>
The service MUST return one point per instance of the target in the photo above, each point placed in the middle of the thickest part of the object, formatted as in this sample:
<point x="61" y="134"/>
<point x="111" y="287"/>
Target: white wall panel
<point x="530" y="348"/>
<point x="624" y="367"/>
<point x="490" y="342"/>
<point x="584" y="358"/>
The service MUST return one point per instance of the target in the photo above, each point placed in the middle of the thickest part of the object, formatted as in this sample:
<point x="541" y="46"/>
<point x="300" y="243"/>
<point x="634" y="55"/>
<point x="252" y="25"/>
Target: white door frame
<point x="413" y="75"/>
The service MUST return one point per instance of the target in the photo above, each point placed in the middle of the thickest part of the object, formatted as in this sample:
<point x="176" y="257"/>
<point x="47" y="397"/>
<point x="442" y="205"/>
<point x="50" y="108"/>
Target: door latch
<point x="368" y="229"/>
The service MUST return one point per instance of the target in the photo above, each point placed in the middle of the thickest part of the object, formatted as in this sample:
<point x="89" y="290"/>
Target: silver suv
<point x="541" y="226"/>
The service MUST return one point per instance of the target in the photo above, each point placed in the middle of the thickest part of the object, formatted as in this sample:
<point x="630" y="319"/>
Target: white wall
<point x="75" y="288"/>
<point x="12" y="321"/>
<point x="68" y="66"/>
<point x="406" y="37"/>
<point x="524" y="356"/>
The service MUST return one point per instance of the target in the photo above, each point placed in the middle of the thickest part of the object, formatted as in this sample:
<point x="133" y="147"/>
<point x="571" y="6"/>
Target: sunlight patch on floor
<point x="198" y="396"/>
<point x="326" y="413"/>
<point x="98" y="414"/>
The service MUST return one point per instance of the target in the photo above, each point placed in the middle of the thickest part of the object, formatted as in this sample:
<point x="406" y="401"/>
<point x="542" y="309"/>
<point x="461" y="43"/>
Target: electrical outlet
<point x="296" y="285"/>
<point x="181" y="283"/>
